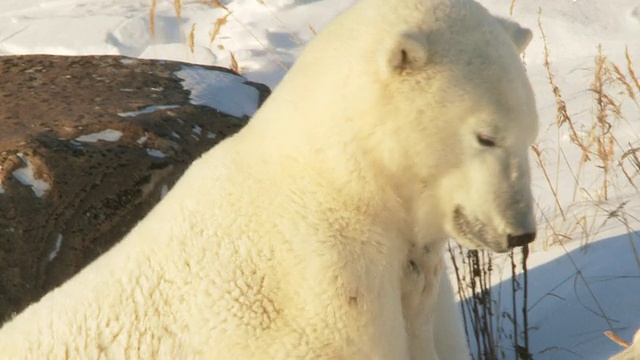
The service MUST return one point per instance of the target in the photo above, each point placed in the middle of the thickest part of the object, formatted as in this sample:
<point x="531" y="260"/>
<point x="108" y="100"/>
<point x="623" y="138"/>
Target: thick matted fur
<point x="316" y="232"/>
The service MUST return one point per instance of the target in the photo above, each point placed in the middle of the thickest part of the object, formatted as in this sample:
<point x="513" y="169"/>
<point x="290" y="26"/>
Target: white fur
<point x="292" y="239"/>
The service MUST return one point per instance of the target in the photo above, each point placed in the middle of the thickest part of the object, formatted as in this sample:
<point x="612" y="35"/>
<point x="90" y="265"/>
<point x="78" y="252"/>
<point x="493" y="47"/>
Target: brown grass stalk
<point x="291" y="33"/>
<point x="214" y="34"/>
<point x="632" y="155"/>
<point x="234" y="63"/>
<point x="632" y="73"/>
<point x="562" y="114"/>
<point x="178" y="8"/>
<point x="192" y="35"/>
<point x="218" y="4"/>
<point x="622" y="79"/>
<point x="617" y="339"/>
<point x="538" y="153"/>
<point x="152" y="19"/>
<point x="606" y="107"/>
<point x="217" y="26"/>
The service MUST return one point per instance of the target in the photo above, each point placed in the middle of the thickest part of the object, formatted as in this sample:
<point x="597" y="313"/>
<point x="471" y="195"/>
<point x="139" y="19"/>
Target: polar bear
<point x="317" y="230"/>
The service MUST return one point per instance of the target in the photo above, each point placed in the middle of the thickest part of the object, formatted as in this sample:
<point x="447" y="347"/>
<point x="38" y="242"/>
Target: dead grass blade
<point x="513" y="4"/>
<point x="562" y="114"/>
<point x="313" y="31"/>
<point x="178" y="8"/>
<point x="634" y="78"/>
<point x="218" y="4"/>
<point x="217" y="26"/>
<point x="152" y="19"/>
<point x="616" y="339"/>
<point x="234" y="63"/>
<point x="192" y="38"/>
<point x="538" y="153"/>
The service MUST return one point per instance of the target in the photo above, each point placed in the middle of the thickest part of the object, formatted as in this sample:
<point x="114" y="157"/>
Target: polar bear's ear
<point x="519" y="35"/>
<point x="407" y="52"/>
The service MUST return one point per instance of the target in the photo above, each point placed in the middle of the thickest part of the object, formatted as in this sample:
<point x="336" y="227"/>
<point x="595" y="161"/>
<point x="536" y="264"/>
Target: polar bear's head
<point x="431" y="93"/>
<point x="465" y="111"/>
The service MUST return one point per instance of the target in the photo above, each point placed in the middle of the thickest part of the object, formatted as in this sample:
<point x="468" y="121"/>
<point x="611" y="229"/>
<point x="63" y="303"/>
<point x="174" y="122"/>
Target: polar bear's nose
<point x="520" y="240"/>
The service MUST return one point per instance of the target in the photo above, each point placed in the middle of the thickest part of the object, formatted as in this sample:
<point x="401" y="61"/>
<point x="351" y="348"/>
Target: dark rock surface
<point x="65" y="199"/>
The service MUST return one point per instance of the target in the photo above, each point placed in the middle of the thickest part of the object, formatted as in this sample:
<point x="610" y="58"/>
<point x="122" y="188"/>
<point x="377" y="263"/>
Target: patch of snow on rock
<point x="225" y="92"/>
<point x="105" y="135"/>
<point x="147" y="110"/>
<point x="156" y="153"/>
<point x="143" y="139"/>
<point x="56" y="249"/>
<point x="26" y="177"/>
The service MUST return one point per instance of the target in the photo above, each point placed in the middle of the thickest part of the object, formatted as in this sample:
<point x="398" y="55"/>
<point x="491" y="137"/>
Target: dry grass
<point x="177" y="6"/>
<point x="234" y="63"/>
<point x="192" y="35"/>
<point x="224" y="20"/>
<point x="152" y="19"/>
<point x="292" y="33"/>
<point x="603" y="159"/>
<point x="562" y="114"/>
<point x="539" y="158"/>
<point x="601" y="174"/>
<point x="216" y="4"/>
<point x="217" y="26"/>
<point x="632" y="73"/>
<point x="616" y="339"/>
<point x="473" y="271"/>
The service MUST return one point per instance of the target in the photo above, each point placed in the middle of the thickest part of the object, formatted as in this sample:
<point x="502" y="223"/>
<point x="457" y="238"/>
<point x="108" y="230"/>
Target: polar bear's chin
<point x="475" y="244"/>
<point x="473" y="233"/>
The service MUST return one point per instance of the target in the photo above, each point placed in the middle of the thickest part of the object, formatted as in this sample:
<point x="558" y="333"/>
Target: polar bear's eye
<point x="486" y="140"/>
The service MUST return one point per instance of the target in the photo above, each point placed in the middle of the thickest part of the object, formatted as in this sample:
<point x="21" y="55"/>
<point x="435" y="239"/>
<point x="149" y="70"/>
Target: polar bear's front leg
<point x="419" y="291"/>
<point x="432" y="318"/>
<point x="450" y="339"/>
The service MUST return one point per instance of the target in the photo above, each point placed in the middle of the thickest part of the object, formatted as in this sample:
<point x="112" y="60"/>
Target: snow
<point x="148" y="110"/>
<point x="156" y="153"/>
<point x="104" y="135"/>
<point x="224" y="92"/>
<point x="164" y="190"/>
<point x="56" y="249"/>
<point x="576" y="292"/>
<point x="143" y="139"/>
<point x="26" y="177"/>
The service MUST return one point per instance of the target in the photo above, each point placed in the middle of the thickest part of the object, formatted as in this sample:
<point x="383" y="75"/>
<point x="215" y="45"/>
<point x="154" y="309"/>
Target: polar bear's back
<point x="290" y="239"/>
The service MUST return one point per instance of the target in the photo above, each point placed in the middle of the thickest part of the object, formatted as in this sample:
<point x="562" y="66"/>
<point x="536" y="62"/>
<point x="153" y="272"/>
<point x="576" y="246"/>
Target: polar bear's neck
<point x="328" y="118"/>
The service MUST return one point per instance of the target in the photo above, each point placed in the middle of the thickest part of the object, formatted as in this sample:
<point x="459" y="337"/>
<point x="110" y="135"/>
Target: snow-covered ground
<point x="575" y="293"/>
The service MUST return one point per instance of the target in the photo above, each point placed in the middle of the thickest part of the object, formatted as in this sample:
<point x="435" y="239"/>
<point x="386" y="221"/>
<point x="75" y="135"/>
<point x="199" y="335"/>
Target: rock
<point x="87" y="146"/>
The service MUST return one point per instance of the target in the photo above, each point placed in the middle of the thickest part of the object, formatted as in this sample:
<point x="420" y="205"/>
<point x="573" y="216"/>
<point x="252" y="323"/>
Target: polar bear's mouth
<point x="473" y="231"/>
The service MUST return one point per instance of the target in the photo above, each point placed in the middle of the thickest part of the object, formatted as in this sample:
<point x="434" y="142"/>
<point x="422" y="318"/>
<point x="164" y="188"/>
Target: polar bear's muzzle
<point x="474" y="233"/>
<point x="520" y="240"/>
